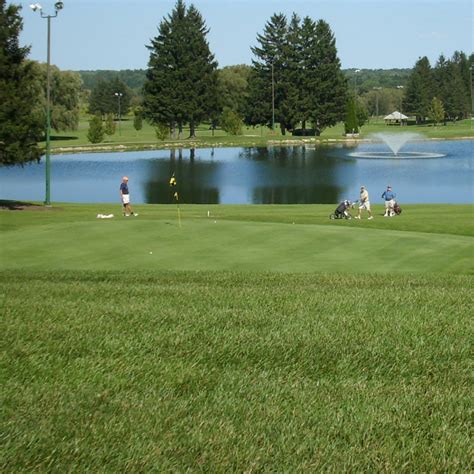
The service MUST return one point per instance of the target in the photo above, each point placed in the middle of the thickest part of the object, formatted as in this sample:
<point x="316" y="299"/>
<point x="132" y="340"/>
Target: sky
<point x="374" y="34"/>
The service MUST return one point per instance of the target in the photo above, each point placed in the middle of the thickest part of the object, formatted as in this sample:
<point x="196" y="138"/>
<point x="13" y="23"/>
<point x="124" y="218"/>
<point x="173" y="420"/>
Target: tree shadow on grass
<point x="24" y="206"/>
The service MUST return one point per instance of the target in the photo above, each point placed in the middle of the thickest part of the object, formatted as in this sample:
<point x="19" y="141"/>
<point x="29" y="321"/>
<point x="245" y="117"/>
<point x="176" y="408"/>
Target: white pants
<point x="125" y="198"/>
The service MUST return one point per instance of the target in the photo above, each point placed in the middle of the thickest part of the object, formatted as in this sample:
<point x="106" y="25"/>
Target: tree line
<point x="445" y="88"/>
<point x="295" y="82"/>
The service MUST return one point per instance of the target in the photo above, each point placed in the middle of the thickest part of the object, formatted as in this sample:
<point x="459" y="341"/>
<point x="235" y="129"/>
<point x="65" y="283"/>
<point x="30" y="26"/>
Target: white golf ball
<point x="151" y="253"/>
<point x="215" y="222"/>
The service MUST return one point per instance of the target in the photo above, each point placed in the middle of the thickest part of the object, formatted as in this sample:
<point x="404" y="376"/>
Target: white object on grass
<point x="105" y="216"/>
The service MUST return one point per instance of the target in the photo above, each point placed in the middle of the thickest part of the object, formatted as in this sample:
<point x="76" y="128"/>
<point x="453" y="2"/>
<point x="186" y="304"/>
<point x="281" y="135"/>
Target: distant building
<point x="395" y="118"/>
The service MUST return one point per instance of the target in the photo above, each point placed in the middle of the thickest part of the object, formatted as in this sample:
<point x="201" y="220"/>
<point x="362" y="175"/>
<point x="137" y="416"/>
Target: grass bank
<point x="129" y="138"/>
<point x="260" y="338"/>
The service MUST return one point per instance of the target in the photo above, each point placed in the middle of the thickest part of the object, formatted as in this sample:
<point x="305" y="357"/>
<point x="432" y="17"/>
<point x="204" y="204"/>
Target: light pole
<point x="400" y="88"/>
<point x="273" y="101"/>
<point x="57" y="7"/>
<point x="377" y="89"/>
<point x="119" y="96"/>
<point x="355" y="81"/>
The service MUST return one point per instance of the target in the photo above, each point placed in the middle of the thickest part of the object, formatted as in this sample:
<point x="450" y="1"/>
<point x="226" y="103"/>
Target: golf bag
<point x="397" y="209"/>
<point x="341" y="211"/>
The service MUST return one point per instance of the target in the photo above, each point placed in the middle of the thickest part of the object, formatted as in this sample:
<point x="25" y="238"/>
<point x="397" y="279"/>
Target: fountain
<point x="395" y="141"/>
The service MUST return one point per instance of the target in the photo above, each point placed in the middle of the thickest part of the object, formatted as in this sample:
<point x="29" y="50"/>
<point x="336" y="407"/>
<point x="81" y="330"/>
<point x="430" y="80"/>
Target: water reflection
<point x="277" y="175"/>
<point x="194" y="179"/>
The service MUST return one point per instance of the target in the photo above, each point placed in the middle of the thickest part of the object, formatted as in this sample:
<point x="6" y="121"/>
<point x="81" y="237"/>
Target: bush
<point x="162" y="131"/>
<point x="96" y="130"/>
<point x="109" y="124"/>
<point x="231" y="122"/>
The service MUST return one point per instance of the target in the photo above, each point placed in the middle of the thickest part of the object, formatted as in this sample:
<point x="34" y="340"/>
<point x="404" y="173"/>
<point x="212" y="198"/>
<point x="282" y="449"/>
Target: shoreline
<point x="200" y="144"/>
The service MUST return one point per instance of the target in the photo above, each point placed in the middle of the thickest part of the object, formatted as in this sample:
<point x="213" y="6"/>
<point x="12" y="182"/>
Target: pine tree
<point x="201" y="77"/>
<point x="138" y="119"/>
<point x="351" y="123"/>
<point x="21" y="119"/>
<point x="181" y="84"/>
<point x="268" y="71"/>
<point x="109" y="124"/>
<point x="329" y="97"/>
<point x="310" y="81"/>
<point x="419" y="90"/>
<point x="292" y="76"/>
<point x="95" y="133"/>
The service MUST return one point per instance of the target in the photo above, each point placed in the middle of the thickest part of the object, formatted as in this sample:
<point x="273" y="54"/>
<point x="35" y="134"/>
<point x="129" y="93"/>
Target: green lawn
<point x="130" y="138"/>
<point x="260" y="338"/>
<point x="248" y="238"/>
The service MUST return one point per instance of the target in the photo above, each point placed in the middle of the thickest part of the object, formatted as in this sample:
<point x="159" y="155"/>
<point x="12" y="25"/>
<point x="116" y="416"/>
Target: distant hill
<point x="364" y="79"/>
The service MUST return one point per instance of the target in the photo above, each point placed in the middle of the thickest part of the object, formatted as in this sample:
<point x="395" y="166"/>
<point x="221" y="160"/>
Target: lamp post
<point x="273" y="101"/>
<point x="57" y="7"/>
<point x="119" y="96"/>
<point x="355" y="81"/>
<point x="377" y="89"/>
<point x="400" y="88"/>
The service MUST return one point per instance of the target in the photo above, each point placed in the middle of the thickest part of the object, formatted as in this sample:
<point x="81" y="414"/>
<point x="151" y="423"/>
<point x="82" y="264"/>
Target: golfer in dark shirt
<point x="125" y="197"/>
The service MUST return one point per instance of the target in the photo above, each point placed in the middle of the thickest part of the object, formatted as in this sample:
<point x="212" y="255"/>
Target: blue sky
<point x="111" y="34"/>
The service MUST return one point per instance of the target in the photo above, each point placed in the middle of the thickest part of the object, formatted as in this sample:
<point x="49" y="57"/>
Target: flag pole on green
<point x="173" y="185"/>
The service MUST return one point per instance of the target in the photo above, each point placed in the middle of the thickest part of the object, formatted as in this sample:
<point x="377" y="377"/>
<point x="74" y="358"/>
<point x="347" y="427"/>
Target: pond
<point x="278" y="175"/>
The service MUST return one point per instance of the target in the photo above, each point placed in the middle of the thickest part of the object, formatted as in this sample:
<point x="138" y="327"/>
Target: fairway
<point x="260" y="338"/>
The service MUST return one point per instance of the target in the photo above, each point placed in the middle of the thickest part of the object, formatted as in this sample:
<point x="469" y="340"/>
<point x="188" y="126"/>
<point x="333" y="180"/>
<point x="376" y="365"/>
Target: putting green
<point x="208" y="244"/>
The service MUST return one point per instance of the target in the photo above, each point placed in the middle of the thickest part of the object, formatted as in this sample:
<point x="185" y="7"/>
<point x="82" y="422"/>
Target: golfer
<point x="364" y="202"/>
<point x="389" y="197"/>
<point x="125" y="197"/>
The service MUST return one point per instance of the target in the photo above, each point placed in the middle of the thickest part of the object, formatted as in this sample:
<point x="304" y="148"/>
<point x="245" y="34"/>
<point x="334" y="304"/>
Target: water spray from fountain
<point x="396" y="141"/>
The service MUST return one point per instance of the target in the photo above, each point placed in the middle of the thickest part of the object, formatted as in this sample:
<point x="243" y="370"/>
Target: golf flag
<point x="173" y="184"/>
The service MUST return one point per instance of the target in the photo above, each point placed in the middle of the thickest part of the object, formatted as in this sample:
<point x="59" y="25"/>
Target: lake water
<point x="279" y="175"/>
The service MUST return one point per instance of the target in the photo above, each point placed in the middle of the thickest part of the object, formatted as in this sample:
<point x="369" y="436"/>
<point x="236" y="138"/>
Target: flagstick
<point x="179" y="214"/>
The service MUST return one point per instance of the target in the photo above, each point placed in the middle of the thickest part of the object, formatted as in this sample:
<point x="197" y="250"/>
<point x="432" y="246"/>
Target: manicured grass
<point x="247" y="238"/>
<point x="258" y="136"/>
<point x="223" y="371"/>
<point x="242" y="343"/>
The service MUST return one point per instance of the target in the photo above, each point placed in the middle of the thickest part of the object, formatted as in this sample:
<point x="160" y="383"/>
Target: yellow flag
<point x="173" y="181"/>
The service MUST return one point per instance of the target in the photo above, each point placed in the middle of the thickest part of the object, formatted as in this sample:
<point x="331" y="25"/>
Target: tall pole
<point x="47" y="200"/>
<point x="119" y="96"/>
<point x="57" y="7"/>
<point x="273" y="101"/>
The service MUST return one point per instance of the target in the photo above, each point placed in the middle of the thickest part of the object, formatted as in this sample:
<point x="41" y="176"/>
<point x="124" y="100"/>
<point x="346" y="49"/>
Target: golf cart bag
<point x="341" y="211"/>
<point x="397" y="209"/>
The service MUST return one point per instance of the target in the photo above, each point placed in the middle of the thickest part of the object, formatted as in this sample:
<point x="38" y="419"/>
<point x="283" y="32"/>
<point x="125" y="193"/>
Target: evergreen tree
<point x="20" y="92"/>
<point x="95" y="133"/>
<point x="329" y="98"/>
<point x="109" y="124"/>
<point x="292" y="76"/>
<point x="138" y="119"/>
<point x="309" y="79"/>
<point x="419" y="90"/>
<point x="181" y="84"/>
<point x="267" y="80"/>
<point x="201" y="77"/>
<point x="351" y="124"/>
